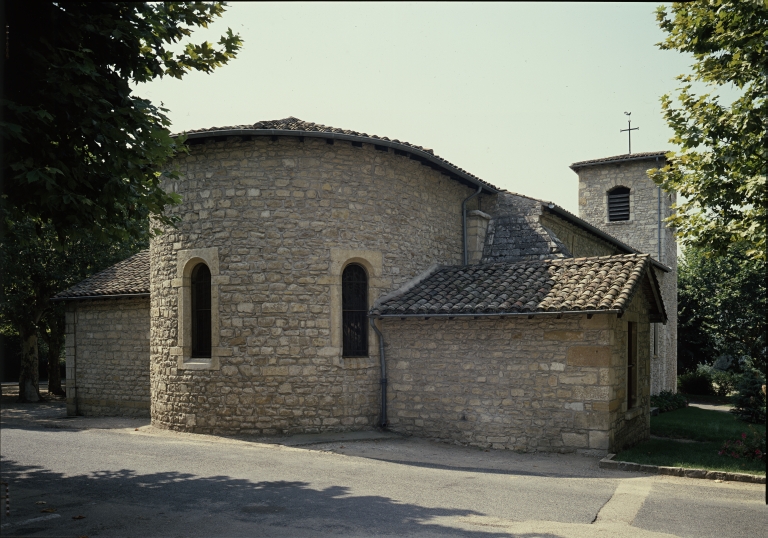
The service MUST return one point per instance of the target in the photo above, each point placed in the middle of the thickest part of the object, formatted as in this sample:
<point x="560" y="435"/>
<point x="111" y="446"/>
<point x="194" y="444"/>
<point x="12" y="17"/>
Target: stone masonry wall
<point x="107" y="350"/>
<point x="579" y="243"/>
<point x="540" y="384"/>
<point x="515" y="232"/>
<point x="642" y="233"/>
<point x="276" y="210"/>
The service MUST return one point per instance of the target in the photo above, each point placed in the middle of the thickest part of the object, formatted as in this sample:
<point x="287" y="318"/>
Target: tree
<point x="721" y="309"/>
<point x="83" y="155"/>
<point x="721" y="168"/>
<point x="41" y="264"/>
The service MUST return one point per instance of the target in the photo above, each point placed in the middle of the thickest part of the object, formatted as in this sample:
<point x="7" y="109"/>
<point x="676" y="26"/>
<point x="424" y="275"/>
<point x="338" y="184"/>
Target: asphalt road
<point x="129" y="479"/>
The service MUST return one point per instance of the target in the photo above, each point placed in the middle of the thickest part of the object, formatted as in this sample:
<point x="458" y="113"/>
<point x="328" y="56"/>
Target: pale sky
<point x="513" y="93"/>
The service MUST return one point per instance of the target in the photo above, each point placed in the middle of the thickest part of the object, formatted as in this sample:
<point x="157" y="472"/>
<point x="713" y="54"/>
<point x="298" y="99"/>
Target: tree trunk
<point x="29" y="379"/>
<point x="55" y="340"/>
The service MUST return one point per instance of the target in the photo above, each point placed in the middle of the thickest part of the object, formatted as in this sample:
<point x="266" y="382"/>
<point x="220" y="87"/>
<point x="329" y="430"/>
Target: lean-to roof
<point x="603" y="284"/>
<point x="129" y="277"/>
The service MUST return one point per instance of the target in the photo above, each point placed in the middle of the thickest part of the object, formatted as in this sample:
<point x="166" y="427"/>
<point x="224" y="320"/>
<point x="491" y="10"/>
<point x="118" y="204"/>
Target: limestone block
<point x="564" y="336"/>
<point x="598" y="439"/>
<point x="593" y="356"/>
<point x="578" y="440"/>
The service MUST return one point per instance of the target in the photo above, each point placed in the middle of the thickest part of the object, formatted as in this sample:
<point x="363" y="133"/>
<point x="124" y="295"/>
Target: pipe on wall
<point x="383" y="421"/>
<point x="464" y="222"/>
<point x="658" y="239"/>
<point x="659" y="214"/>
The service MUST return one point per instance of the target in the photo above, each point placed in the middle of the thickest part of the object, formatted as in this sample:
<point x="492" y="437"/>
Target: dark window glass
<point x="354" y="306"/>
<point x="618" y="204"/>
<point x="201" y="311"/>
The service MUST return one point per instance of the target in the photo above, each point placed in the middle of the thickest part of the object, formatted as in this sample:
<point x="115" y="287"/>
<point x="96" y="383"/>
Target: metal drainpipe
<point x="659" y="227"/>
<point x="656" y="325"/>
<point x="383" y="422"/>
<point x="464" y="221"/>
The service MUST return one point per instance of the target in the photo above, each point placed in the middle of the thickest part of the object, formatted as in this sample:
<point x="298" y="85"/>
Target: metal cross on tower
<point x="629" y="130"/>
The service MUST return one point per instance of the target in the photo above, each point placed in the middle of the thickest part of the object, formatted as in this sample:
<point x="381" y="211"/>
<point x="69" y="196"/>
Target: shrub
<point x="747" y="447"/>
<point x="666" y="400"/>
<point x="749" y="400"/>
<point x="725" y="382"/>
<point x="697" y="382"/>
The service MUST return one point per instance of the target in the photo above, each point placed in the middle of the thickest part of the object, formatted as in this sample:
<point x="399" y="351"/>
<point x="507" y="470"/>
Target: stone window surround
<point x="372" y="262"/>
<point x="612" y="185"/>
<point x="186" y="261"/>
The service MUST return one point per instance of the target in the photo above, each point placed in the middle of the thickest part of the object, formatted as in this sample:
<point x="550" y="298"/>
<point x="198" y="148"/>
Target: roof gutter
<point x="461" y="174"/>
<point x="115" y="296"/>
<point x="565" y="215"/>
<point x="576" y="166"/>
<point x="558" y="313"/>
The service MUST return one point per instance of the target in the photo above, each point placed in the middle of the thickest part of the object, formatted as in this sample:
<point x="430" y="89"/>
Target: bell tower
<point x="617" y="196"/>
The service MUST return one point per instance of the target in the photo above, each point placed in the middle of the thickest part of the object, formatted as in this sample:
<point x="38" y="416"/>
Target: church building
<point x="321" y="279"/>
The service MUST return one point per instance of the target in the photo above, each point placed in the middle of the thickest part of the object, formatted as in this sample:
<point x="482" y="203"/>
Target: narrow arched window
<point x="201" y="311"/>
<point x="354" y="306"/>
<point x="618" y="204"/>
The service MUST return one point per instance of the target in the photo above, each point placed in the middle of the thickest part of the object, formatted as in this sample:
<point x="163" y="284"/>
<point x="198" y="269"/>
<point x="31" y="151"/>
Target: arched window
<point x="201" y="311"/>
<point x="618" y="204"/>
<point x="354" y="307"/>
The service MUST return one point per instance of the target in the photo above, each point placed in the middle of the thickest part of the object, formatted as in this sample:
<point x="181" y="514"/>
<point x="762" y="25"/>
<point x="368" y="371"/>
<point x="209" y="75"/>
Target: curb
<point x="609" y="463"/>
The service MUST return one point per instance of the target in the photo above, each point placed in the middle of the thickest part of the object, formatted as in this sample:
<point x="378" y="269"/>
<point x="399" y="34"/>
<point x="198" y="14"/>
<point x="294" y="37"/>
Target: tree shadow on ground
<point x="184" y="504"/>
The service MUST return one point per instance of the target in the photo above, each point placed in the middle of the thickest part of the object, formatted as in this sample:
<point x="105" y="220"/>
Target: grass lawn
<point x="700" y="425"/>
<point x="713" y="400"/>
<point x="709" y="428"/>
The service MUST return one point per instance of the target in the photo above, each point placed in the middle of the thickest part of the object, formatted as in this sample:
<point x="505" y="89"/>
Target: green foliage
<point x="721" y="309"/>
<point x="747" y="447"/>
<point x="666" y="400"/>
<point x="82" y="153"/>
<point x="36" y="264"/>
<point x="725" y="382"/>
<point x="720" y="169"/>
<point x="698" y="382"/>
<point x="749" y="400"/>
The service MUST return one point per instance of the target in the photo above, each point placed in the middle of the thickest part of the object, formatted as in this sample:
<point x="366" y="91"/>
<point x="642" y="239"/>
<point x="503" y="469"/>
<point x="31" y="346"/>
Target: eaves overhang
<point x="555" y="313"/>
<point x="420" y="155"/>
<point x="104" y="296"/>
<point x="629" y="157"/>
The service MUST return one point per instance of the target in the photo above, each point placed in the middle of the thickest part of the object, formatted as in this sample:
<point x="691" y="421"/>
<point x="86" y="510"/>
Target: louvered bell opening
<point x="618" y="204"/>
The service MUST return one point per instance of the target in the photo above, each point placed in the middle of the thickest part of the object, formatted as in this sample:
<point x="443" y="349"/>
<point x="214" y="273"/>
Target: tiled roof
<point x="295" y="124"/>
<point x="128" y="277"/>
<point x="620" y="158"/>
<point x="300" y="126"/>
<point x="606" y="283"/>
